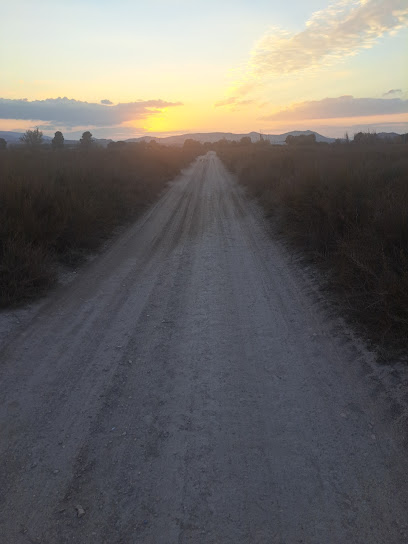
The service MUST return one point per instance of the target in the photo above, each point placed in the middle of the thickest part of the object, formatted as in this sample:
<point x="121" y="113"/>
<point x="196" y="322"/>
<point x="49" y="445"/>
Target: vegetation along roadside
<point x="58" y="202"/>
<point x="345" y="205"/>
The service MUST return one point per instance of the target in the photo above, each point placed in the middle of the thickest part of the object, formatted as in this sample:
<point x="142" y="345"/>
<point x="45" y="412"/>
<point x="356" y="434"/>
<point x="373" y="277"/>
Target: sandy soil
<point x="189" y="386"/>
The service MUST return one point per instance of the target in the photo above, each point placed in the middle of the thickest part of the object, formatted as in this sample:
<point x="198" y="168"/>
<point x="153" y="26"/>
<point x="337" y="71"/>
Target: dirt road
<point x="188" y="387"/>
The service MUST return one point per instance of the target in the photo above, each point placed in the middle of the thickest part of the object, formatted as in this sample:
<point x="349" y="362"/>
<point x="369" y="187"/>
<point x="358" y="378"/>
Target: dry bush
<point x="57" y="205"/>
<point x="26" y="270"/>
<point x="347" y="207"/>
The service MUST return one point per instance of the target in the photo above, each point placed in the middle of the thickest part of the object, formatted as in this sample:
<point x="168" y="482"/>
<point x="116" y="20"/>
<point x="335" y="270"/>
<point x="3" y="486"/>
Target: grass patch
<point x="55" y="206"/>
<point x="346" y="207"/>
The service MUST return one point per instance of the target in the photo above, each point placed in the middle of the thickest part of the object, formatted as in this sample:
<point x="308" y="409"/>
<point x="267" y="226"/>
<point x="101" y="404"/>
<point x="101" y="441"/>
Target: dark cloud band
<point x="342" y="106"/>
<point x="72" y="113"/>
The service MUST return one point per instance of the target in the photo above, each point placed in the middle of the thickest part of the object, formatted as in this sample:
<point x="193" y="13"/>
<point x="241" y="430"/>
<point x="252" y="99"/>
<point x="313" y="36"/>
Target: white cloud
<point x="233" y="101"/>
<point x="340" y="30"/>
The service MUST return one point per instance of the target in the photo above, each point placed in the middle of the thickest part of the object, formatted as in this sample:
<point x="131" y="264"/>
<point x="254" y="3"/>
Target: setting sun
<point x="188" y="67"/>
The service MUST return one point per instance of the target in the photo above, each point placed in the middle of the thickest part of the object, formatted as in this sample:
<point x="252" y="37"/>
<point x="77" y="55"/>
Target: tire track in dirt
<point x="188" y="387"/>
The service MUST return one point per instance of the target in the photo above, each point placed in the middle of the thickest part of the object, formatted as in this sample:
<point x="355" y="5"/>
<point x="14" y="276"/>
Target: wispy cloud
<point x="73" y="113"/>
<point x="106" y="101"/>
<point x="342" y="106"/>
<point x="234" y="101"/>
<point x="393" y="92"/>
<point x="340" y="30"/>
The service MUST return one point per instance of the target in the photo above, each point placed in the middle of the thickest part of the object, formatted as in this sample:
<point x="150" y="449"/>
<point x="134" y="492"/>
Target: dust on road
<point x="186" y="389"/>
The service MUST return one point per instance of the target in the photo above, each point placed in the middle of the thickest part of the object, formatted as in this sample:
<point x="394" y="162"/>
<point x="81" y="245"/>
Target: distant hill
<point x="14" y="137"/>
<point x="202" y="137"/>
<point x="387" y="135"/>
<point x="280" y="138"/>
<point x="277" y="139"/>
<point x="212" y="137"/>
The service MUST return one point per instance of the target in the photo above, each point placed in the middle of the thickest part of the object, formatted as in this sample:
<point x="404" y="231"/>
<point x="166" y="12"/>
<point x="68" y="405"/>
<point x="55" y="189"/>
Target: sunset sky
<point x="126" y="68"/>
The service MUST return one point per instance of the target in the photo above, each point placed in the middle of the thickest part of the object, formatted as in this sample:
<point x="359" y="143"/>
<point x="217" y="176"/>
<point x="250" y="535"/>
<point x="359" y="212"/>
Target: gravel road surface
<point x="189" y="387"/>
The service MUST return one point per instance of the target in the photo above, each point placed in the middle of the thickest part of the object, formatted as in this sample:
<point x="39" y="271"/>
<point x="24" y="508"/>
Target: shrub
<point x="346" y="206"/>
<point x="32" y="138"/>
<point x="58" y="140"/>
<point x="57" y="205"/>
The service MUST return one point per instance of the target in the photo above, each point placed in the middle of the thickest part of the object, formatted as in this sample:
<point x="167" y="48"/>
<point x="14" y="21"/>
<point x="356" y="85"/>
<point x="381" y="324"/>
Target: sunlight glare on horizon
<point x="128" y="69"/>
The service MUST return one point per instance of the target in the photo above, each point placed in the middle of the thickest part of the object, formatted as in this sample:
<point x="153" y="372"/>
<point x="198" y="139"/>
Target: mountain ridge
<point x="212" y="137"/>
<point x="202" y="137"/>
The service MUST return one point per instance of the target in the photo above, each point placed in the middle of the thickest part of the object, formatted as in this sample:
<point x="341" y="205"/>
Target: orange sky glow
<point x="182" y="67"/>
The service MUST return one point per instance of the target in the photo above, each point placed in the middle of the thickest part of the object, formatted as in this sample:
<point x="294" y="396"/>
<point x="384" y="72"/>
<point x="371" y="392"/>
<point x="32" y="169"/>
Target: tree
<point x="32" y="138"/>
<point x="245" y="140"/>
<point x="58" y="140"/>
<point x="189" y="143"/>
<point x="3" y="144"/>
<point x="365" y="138"/>
<point x="117" y="145"/>
<point x="87" y="140"/>
<point x="302" y="139"/>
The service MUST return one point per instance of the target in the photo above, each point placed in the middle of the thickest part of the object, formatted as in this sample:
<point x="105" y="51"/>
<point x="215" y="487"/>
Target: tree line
<point x="35" y="138"/>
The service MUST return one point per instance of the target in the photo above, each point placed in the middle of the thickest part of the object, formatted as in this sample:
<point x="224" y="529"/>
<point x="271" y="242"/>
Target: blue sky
<point x="213" y="65"/>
